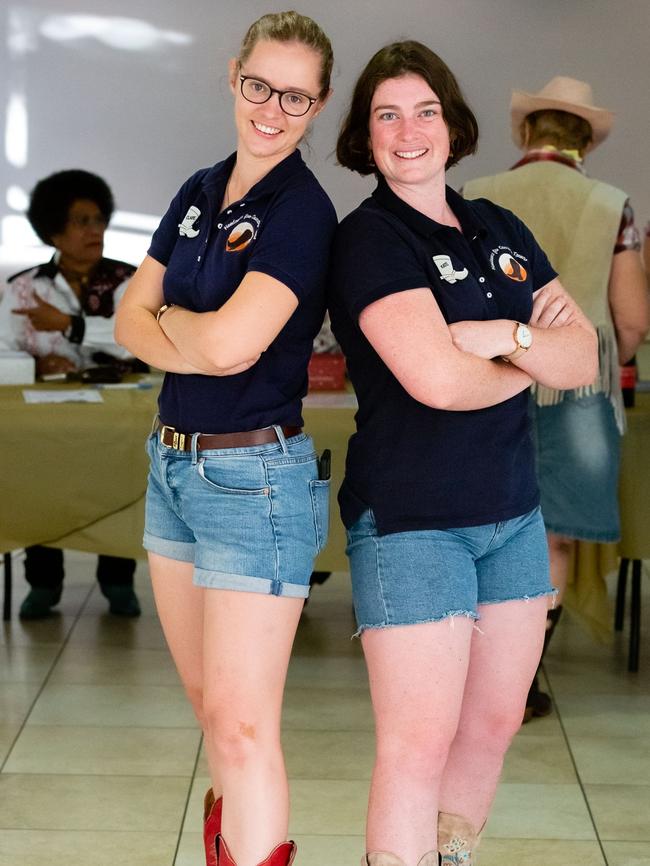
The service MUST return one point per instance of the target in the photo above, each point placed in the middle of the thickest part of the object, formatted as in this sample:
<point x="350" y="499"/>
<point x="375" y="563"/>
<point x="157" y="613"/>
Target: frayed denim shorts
<point x="578" y="447"/>
<point x="250" y="519"/>
<point x="429" y="575"/>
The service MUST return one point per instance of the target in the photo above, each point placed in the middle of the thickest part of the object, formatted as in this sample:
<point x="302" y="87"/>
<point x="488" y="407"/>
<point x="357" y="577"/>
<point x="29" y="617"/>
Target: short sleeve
<point x="294" y="241"/>
<point x="166" y="235"/>
<point x="541" y="269"/>
<point x="371" y="259"/>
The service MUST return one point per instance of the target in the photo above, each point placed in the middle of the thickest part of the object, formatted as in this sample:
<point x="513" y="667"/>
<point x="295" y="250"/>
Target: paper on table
<point x="73" y="396"/>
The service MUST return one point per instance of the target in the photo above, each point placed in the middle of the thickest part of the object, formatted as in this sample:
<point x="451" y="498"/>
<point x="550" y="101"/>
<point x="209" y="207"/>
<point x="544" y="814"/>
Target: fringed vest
<point x="576" y="222"/>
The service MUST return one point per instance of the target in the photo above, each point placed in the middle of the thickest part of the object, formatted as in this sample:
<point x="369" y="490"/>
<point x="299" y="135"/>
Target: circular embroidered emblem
<point x="512" y="268"/>
<point x="240" y="237"/>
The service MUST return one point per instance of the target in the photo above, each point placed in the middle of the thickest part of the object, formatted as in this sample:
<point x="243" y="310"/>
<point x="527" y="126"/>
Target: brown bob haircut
<point x="394" y="61"/>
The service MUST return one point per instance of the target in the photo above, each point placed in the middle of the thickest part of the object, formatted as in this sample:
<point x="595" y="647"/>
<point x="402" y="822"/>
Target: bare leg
<point x="504" y="657"/>
<point x="417" y="675"/>
<point x="247" y="640"/>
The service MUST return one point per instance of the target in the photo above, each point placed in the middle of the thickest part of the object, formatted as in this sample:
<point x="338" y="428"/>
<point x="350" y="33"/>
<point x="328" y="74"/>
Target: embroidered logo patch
<point x="447" y="270"/>
<point x="509" y="263"/>
<point x="512" y="268"/>
<point x="186" y="228"/>
<point x="240" y="237"/>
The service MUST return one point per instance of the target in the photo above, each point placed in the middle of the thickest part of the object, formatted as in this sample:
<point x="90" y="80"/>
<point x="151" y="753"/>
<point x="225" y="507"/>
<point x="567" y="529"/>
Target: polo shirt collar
<point x="279" y="174"/>
<point x="470" y="222"/>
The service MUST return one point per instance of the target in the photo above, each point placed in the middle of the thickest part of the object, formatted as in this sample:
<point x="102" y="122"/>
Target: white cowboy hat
<point x="561" y="94"/>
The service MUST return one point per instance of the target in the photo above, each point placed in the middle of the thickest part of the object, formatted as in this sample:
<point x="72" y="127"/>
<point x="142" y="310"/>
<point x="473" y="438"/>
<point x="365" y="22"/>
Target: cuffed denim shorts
<point x="578" y="448"/>
<point x="250" y="519"/>
<point x="429" y="575"/>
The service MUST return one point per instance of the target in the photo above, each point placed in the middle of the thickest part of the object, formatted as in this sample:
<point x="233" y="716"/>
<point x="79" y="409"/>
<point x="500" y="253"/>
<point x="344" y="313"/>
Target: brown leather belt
<point x="207" y="441"/>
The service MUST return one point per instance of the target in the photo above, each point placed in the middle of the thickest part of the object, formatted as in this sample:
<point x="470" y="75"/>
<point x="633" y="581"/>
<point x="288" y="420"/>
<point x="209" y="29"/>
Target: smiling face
<point x="264" y="130"/>
<point x="409" y="138"/>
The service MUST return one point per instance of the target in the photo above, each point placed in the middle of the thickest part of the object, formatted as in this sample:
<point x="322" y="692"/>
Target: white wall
<point x="142" y="97"/>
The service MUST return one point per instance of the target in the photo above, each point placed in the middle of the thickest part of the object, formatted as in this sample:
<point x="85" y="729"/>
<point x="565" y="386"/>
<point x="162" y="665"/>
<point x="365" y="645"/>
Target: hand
<point x="552" y="307"/>
<point x="49" y="364"/>
<point x="44" y="316"/>
<point x="489" y="339"/>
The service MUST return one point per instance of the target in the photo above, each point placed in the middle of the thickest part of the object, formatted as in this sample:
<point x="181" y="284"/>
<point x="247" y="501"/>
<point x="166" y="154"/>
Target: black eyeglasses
<point x="291" y="101"/>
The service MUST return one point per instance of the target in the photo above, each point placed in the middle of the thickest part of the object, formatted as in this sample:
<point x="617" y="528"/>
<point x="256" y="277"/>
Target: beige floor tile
<point x="104" y="751"/>
<point x="30" y="664"/>
<point x="106" y="630"/>
<point x="82" y="848"/>
<point x="539" y="759"/>
<point x="627" y="853"/>
<point x="621" y="811"/>
<point x="594" y="676"/>
<point x="97" y="604"/>
<point x="15" y="701"/>
<point x="539" y="811"/>
<point x="539" y="852"/>
<point x="8" y="734"/>
<point x="328" y="807"/>
<point x="612" y="760"/>
<point x="194" y="816"/>
<point x="327" y="710"/>
<point x="190" y="850"/>
<point x="130" y="706"/>
<point x="326" y="673"/>
<point x="112" y="665"/>
<point x="123" y="803"/>
<point x="606" y="715"/>
<point x="329" y="754"/>
<point x="26" y="633"/>
<point x="329" y="850"/>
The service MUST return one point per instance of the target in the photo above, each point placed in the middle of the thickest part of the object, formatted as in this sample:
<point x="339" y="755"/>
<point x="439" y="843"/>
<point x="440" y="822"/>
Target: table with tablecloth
<point x="74" y="476"/>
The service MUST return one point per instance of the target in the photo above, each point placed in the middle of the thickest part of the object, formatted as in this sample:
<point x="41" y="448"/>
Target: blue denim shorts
<point x="429" y="575"/>
<point x="250" y="519"/>
<point x="578" y="448"/>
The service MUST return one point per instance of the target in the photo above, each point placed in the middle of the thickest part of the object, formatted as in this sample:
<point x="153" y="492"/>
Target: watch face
<point x="524" y="337"/>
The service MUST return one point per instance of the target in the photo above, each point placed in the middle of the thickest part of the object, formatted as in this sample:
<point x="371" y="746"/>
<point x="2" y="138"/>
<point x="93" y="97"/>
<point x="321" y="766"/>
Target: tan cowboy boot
<point x="457" y="840"/>
<point x="382" y="858"/>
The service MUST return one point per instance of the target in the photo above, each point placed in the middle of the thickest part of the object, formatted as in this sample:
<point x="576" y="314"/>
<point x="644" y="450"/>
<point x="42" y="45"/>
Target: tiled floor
<point x="101" y="762"/>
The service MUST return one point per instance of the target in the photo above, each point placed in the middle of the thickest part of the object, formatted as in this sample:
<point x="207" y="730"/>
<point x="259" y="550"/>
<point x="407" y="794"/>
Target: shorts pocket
<point x="320" y="503"/>
<point x="224" y="480"/>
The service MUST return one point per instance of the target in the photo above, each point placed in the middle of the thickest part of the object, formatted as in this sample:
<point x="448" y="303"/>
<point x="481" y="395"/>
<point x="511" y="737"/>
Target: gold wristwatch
<point x="523" y="338"/>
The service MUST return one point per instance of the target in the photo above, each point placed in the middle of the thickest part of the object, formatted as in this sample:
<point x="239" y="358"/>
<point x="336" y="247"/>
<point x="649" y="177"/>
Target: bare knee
<point x="495" y="729"/>
<point x="236" y="740"/>
<point x="561" y="544"/>
<point x="415" y="752"/>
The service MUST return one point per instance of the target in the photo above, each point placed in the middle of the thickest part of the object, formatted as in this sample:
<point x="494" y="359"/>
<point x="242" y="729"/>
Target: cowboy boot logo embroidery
<point x="447" y="271"/>
<point x="186" y="228"/>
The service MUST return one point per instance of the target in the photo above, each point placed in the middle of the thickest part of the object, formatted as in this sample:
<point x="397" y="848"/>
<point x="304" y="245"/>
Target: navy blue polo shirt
<point x="282" y="227"/>
<point x="418" y="467"/>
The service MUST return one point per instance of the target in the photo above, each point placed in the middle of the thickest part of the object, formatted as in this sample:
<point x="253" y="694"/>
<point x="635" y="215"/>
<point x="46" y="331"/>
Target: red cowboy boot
<point x="211" y="825"/>
<point x="281" y="855"/>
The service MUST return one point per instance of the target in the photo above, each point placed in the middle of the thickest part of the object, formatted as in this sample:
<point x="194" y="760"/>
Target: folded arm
<point x="238" y="332"/>
<point x="564" y="351"/>
<point x="409" y="333"/>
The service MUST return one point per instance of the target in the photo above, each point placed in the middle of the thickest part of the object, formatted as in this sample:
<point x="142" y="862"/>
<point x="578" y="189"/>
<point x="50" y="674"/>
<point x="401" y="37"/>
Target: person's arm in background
<point x="12" y="327"/>
<point x="564" y="351"/>
<point x="628" y="300"/>
<point x="409" y="333"/>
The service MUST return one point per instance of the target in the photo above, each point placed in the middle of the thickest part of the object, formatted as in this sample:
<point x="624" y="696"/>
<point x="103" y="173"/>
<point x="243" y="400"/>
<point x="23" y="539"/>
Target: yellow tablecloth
<point x="74" y="474"/>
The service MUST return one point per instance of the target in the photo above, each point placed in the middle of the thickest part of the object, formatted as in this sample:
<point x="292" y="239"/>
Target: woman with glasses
<point x="62" y="314"/>
<point x="228" y="302"/>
